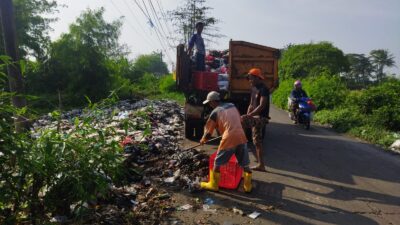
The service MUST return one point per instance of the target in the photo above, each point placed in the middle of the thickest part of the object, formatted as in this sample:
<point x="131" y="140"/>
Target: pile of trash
<point x="152" y="151"/>
<point x="217" y="61"/>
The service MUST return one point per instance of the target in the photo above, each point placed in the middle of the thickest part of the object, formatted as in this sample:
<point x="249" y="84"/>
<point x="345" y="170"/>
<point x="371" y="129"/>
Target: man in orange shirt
<point x="226" y="119"/>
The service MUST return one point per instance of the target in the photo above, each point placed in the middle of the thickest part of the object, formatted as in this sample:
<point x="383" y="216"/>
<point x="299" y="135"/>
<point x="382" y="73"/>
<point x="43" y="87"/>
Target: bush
<point x="146" y="86"/>
<point x="341" y="119"/>
<point x="326" y="91"/>
<point x="310" y="60"/>
<point x="167" y="84"/>
<point x="49" y="171"/>
<point x="382" y="104"/>
<point x="280" y="95"/>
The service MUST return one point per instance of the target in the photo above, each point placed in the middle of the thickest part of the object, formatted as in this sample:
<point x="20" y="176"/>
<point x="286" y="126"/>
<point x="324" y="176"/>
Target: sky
<point x="354" y="26"/>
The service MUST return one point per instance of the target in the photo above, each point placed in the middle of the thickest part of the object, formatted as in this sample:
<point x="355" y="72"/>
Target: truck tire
<point x="189" y="130"/>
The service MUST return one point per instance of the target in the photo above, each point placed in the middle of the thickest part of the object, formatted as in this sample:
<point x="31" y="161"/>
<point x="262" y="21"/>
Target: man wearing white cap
<point x="226" y="119"/>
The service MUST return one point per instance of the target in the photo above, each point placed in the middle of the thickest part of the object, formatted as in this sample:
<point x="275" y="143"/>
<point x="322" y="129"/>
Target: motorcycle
<point x="303" y="113"/>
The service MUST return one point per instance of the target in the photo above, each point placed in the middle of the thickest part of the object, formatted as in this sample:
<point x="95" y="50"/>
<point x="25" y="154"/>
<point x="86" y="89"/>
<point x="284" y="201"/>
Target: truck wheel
<point x="189" y="130"/>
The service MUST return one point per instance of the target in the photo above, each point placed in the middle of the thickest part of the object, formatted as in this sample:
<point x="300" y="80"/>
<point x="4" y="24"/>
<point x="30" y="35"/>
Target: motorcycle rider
<point x="295" y="96"/>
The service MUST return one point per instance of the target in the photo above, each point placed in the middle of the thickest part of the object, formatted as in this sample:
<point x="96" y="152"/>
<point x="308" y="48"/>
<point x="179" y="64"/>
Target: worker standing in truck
<point x="226" y="118"/>
<point x="197" y="40"/>
<point x="257" y="114"/>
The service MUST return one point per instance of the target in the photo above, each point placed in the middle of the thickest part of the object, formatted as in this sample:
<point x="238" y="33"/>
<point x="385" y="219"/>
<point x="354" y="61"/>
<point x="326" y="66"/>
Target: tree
<point x="300" y="61"/>
<point x="151" y="63"/>
<point x="78" y="62"/>
<point x="32" y="28"/>
<point x="186" y="16"/>
<point x="361" y="69"/>
<point x="381" y="58"/>
<point x="16" y="83"/>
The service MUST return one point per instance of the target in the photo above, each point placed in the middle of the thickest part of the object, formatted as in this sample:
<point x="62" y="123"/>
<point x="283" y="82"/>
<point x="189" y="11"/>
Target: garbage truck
<point x="232" y="84"/>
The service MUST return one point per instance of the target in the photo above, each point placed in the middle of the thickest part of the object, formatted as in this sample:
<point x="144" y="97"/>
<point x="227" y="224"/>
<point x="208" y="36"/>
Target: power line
<point x="148" y="14"/>
<point x="144" y="13"/>
<point x="131" y="26"/>
<point x="164" y="17"/>
<point x="169" y="45"/>
<point x="158" y="21"/>
<point x="158" y="34"/>
<point x="137" y="20"/>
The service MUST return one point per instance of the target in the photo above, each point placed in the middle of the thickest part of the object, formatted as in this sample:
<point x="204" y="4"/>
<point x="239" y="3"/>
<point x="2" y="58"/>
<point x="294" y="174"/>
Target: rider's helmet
<point x="297" y="83"/>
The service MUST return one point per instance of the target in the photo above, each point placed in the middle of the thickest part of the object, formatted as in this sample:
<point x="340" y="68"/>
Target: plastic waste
<point x="254" y="215"/>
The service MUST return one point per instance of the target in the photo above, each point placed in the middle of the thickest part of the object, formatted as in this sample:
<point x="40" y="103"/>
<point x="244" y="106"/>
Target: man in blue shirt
<point x="197" y="40"/>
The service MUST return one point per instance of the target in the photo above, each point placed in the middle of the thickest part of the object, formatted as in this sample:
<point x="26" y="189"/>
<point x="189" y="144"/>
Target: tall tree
<point x="15" y="81"/>
<point x="361" y="69"/>
<point x="78" y="63"/>
<point x="300" y="61"/>
<point x="185" y="17"/>
<point x="381" y="58"/>
<point x="32" y="27"/>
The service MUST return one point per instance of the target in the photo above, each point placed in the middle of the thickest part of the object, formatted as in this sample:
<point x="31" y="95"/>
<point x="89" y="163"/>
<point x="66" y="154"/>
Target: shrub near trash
<point x="72" y="166"/>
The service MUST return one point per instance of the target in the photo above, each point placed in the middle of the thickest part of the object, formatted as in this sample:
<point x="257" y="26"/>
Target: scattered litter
<point x="151" y="157"/>
<point x="169" y="180"/>
<point x="206" y="208"/>
<point x="238" y="211"/>
<point x="162" y="196"/>
<point x="147" y="182"/>
<point x="395" y="146"/>
<point x="150" y="191"/>
<point x="209" y="201"/>
<point x="184" y="207"/>
<point x="59" y="219"/>
<point x="254" y="215"/>
<point x="268" y="207"/>
<point x="134" y="202"/>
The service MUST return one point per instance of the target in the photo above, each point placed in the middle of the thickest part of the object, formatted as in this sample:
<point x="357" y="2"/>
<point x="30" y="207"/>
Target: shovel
<point x="213" y="139"/>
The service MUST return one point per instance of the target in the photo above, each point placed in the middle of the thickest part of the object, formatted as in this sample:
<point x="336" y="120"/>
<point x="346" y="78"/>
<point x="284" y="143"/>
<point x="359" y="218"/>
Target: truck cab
<point x="233" y="88"/>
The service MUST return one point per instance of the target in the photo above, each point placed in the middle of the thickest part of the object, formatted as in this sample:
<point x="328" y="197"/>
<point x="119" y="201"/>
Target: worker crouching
<point x="226" y="119"/>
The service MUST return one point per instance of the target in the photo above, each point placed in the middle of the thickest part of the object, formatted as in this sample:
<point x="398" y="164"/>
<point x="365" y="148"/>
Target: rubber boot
<point x="247" y="186"/>
<point x="212" y="185"/>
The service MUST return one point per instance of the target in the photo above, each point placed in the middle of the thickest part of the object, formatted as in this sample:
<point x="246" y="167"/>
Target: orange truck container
<point x="242" y="57"/>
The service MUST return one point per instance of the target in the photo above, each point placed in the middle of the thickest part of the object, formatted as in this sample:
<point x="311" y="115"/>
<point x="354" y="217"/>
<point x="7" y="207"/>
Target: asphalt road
<point x="315" y="176"/>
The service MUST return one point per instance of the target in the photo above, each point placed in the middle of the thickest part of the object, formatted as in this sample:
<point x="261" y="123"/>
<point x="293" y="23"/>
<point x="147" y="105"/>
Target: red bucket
<point x="231" y="173"/>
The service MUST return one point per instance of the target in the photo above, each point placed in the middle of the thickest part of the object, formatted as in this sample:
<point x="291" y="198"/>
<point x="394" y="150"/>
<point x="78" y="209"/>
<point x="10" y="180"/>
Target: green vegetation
<point x="53" y="170"/>
<point x="372" y="113"/>
<point x="300" y="61"/>
<point x="32" y="27"/>
<point x="88" y="62"/>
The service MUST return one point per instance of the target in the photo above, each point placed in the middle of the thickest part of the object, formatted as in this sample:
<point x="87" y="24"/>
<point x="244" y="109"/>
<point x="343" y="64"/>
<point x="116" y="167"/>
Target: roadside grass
<point x="345" y="120"/>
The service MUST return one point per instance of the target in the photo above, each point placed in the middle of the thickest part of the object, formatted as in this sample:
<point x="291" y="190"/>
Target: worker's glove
<point x="203" y="141"/>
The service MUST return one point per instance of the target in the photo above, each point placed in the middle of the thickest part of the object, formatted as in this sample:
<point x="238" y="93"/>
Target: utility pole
<point x="15" y="80"/>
